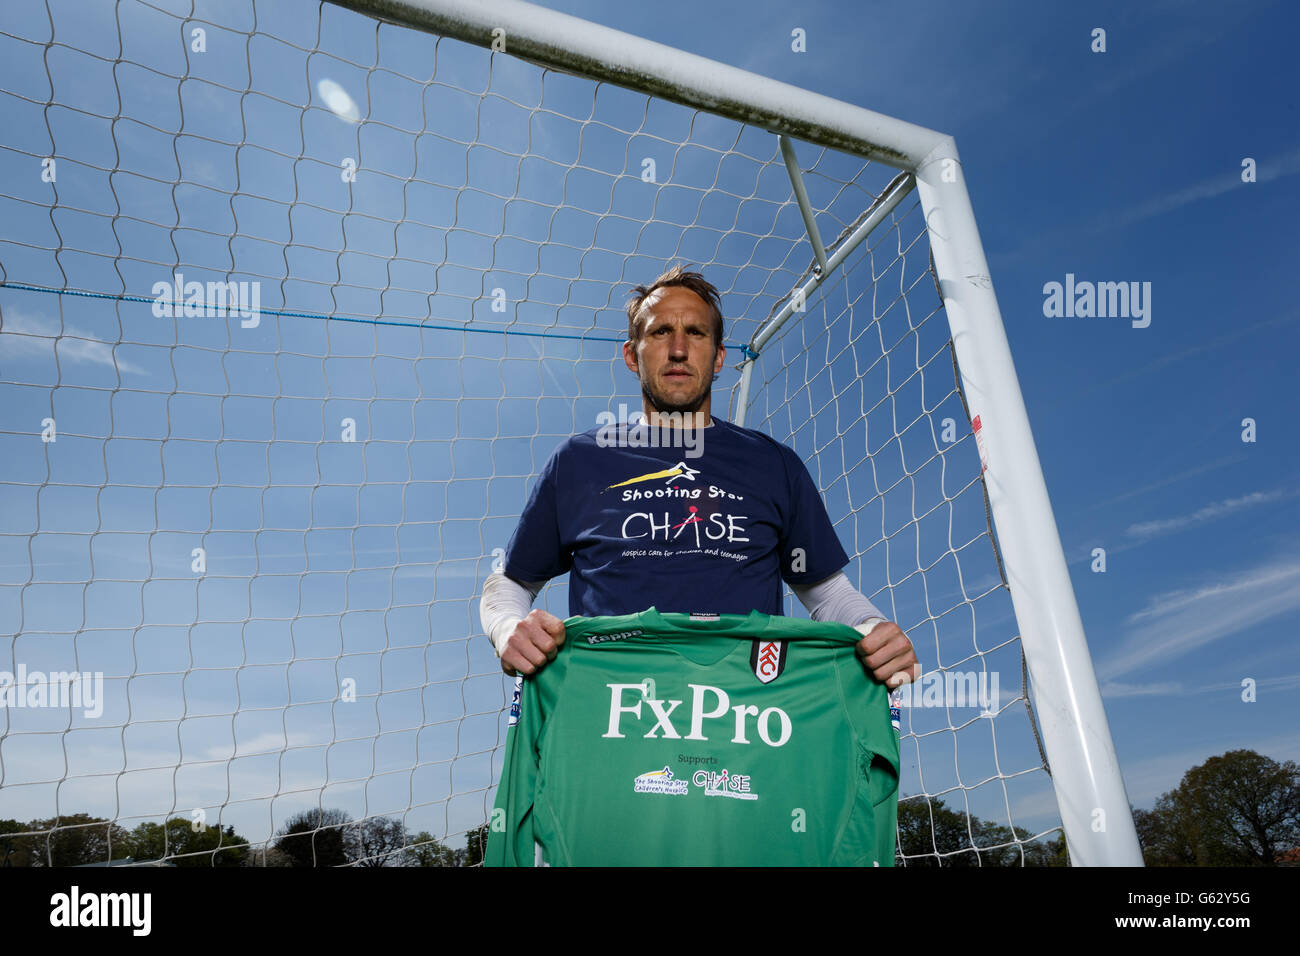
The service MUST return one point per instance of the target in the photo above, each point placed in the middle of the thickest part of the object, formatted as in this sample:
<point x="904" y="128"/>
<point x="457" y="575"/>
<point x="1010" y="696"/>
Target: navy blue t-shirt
<point x="642" y="527"/>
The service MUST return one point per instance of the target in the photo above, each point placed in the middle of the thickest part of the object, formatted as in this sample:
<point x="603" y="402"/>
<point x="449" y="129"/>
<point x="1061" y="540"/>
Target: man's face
<point x="675" y="356"/>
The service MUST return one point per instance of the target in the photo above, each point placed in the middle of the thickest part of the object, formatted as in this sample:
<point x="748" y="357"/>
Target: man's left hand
<point x="889" y="655"/>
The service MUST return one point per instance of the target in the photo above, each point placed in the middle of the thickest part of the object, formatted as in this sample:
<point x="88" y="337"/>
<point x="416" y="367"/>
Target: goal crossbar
<point x="559" y="41"/>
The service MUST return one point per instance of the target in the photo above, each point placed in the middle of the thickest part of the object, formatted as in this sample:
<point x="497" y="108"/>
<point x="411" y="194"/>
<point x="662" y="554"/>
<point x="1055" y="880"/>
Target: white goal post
<point x="281" y="515"/>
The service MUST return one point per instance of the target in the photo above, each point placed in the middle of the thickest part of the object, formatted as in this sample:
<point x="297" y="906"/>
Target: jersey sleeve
<point x="536" y="551"/>
<point x="880" y="760"/>
<point x="510" y="831"/>
<point x="808" y="528"/>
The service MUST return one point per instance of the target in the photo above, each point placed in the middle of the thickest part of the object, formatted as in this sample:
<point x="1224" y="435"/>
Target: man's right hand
<point x="533" y="644"/>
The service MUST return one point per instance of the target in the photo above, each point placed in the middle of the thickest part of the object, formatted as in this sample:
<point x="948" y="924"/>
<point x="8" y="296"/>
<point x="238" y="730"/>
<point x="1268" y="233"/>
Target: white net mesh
<point x="266" y="531"/>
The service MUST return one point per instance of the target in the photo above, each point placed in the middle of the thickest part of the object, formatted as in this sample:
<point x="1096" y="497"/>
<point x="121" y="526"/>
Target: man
<point x="643" y="524"/>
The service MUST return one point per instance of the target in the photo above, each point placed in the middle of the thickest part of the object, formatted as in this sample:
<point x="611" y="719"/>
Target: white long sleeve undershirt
<point x="504" y="604"/>
<point x="836" y="599"/>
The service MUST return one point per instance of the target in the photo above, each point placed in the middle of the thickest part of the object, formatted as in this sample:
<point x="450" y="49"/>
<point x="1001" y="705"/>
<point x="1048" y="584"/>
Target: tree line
<point x="1240" y="808"/>
<point x="1237" y="809"/>
<point x="317" y="837"/>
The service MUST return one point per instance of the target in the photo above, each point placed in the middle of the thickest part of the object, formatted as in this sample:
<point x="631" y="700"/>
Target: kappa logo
<point x="659" y="781"/>
<point x="768" y="660"/>
<point x="614" y="636"/>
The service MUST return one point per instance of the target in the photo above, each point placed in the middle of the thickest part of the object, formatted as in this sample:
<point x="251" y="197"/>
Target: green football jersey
<point x="709" y="740"/>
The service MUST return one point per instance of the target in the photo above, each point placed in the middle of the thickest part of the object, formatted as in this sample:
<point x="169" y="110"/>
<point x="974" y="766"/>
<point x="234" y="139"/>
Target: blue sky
<point x="329" y="560"/>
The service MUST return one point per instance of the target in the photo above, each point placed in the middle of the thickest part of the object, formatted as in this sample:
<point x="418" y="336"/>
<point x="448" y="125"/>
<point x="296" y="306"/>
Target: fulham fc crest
<point x="768" y="660"/>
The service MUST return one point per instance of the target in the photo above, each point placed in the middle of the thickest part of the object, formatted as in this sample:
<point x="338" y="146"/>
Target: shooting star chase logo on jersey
<point x="724" y="784"/>
<point x="768" y="660"/>
<point x="659" y="781"/>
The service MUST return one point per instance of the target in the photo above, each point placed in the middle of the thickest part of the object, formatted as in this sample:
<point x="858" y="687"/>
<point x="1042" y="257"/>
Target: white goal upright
<point x="296" y="298"/>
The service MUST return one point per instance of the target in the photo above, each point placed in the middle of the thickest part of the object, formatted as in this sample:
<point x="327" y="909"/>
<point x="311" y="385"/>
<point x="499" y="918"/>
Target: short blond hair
<point x="676" y="276"/>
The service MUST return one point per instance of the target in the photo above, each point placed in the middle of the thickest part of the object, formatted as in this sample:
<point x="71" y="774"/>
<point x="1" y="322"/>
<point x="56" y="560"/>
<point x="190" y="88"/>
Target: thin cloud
<point x="1142" y="532"/>
<point x="1146" y="530"/>
<point x="1286" y="165"/>
<point x="1084" y="554"/>
<point x="1119" y="689"/>
<point x="1179" y="623"/>
<point x="1213" y="346"/>
<point x="262" y="745"/>
<point x="1170" y="480"/>
<point x="1281" y="682"/>
<point x="1115" y="689"/>
<point x="1266" y="170"/>
<point x="1176" y="601"/>
<point x="24" y="335"/>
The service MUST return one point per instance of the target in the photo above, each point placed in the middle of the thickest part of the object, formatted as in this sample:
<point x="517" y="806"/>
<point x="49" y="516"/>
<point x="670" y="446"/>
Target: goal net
<point x="296" y="302"/>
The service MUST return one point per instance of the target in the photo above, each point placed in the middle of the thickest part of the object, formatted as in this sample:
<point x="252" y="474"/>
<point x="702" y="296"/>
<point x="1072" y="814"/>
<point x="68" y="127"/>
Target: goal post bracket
<point x="805" y="205"/>
<point x="898" y="189"/>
